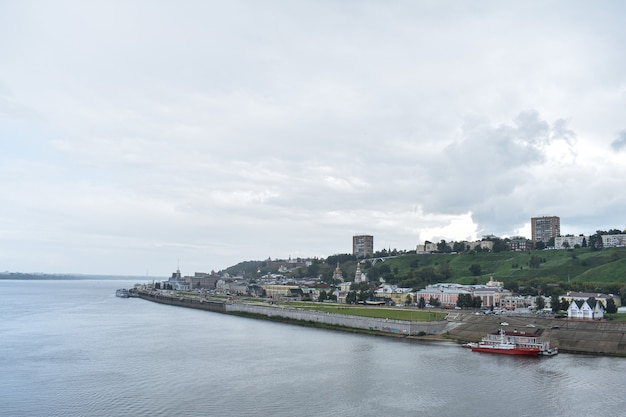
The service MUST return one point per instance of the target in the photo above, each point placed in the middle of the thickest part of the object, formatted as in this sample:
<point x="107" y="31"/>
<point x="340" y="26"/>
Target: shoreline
<point x="599" y="338"/>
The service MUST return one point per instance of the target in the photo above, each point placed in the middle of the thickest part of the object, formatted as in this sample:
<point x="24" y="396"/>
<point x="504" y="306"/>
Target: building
<point x="427" y="247"/>
<point x="545" y="228"/>
<point x="446" y="293"/>
<point x="203" y="280"/>
<point x="518" y="243"/>
<point x="363" y="246"/>
<point x="572" y="296"/>
<point x="614" y="241"/>
<point x="338" y="274"/>
<point x="570" y="241"/>
<point x="586" y="309"/>
<point x="358" y="275"/>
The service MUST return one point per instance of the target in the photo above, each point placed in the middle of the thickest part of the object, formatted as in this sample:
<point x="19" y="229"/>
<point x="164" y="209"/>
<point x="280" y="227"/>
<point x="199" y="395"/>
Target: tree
<point x="421" y="303"/>
<point x="499" y="245"/>
<point x="555" y="303"/>
<point x="540" y="245"/>
<point x="443" y="246"/>
<point x="323" y="296"/>
<point x="458" y="247"/>
<point x="434" y="302"/>
<point x="444" y="270"/>
<point x="534" y="262"/>
<point x="408" y="300"/>
<point x="464" y="300"/>
<point x="611" y="308"/>
<point x="475" y="269"/>
<point x="540" y="302"/>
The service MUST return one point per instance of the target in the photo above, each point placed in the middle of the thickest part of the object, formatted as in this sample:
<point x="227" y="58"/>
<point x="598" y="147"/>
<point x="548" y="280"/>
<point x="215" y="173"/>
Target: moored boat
<point x="514" y="343"/>
<point x="122" y="292"/>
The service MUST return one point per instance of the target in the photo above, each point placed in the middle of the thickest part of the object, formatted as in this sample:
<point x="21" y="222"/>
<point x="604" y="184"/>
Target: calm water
<point x="71" y="348"/>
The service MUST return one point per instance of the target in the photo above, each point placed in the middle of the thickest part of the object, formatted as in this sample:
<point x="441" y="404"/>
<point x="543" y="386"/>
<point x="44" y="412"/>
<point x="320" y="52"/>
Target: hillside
<point x="576" y="269"/>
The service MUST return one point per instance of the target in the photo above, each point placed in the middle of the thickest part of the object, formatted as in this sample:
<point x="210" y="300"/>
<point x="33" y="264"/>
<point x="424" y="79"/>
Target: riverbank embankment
<point x="571" y="336"/>
<point x="370" y="324"/>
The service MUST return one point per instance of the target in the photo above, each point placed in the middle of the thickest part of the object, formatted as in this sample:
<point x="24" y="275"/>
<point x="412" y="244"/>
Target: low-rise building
<point x="572" y="296"/>
<point x="586" y="309"/>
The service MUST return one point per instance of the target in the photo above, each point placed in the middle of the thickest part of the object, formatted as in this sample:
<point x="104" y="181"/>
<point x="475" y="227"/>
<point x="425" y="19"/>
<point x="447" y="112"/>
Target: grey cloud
<point x="620" y="142"/>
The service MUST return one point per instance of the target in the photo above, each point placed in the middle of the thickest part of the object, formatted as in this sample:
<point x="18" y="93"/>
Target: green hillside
<point x="548" y="271"/>
<point x="578" y="269"/>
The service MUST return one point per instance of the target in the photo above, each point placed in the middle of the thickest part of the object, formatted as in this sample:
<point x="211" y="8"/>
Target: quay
<point x="569" y="336"/>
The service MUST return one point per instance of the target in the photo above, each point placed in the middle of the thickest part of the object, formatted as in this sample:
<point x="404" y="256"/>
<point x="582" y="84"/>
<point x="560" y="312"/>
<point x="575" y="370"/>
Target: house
<point x="603" y="298"/>
<point x="586" y="309"/>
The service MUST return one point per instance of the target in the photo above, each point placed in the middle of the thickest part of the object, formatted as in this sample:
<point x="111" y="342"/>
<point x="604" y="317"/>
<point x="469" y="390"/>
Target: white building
<point x="566" y="242"/>
<point x="614" y="241"/>
<point x="581" y="309"/>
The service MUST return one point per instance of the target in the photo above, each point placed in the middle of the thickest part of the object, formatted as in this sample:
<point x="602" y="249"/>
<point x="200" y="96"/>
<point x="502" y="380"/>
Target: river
<point x="71" y="348"/>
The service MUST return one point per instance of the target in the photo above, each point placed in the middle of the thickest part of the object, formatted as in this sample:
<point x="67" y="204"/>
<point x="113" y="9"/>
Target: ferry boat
<point x="122" y="292"/>
<point x="514" y="343"/>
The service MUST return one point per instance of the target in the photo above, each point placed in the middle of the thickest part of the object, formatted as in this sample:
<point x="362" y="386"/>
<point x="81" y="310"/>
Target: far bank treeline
<point x="545" y="272"/>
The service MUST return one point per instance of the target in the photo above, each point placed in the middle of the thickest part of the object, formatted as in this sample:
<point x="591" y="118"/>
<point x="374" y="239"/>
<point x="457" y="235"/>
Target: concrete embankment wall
<point x="396" y="327"/>
<point x="573" y="336"/>
<point x="208" y="305"/>
<point x="399" y="327"/>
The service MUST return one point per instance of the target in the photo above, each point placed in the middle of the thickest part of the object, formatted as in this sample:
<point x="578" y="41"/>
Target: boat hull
<point x="507" y="351"/>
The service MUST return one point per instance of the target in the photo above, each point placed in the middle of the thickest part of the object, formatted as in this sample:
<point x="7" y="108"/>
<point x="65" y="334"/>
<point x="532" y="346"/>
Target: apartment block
<point x="363" y="246"/>
<point x="544" y="228"/>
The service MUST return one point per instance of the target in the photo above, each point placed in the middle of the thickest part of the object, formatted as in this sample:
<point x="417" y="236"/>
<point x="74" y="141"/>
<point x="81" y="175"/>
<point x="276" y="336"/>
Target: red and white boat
<point x="514" y="343"/>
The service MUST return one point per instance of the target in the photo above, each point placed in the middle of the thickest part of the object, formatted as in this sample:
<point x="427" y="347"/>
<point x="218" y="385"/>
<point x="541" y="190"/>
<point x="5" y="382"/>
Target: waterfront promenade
<point x="571" y="336"/>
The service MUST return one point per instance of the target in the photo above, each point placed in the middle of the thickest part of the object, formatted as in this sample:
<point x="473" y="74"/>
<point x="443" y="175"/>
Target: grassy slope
<point x="381" y="312"/>
<point x="561" y="266"/>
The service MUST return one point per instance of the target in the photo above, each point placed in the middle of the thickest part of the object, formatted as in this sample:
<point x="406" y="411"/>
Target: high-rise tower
<point x="544" y="228"/>
<point x="363" y="246"/>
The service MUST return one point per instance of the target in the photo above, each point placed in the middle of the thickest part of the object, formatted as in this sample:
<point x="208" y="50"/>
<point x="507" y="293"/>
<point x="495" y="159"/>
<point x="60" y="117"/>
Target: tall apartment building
<point x="363" y="246"/>
<point x="544" y="228"/>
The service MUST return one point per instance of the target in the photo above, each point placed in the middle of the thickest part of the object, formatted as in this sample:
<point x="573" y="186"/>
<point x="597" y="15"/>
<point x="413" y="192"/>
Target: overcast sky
<point x="137" y="135"/>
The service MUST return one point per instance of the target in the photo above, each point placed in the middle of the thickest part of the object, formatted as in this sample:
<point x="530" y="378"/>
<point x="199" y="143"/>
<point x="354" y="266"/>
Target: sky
<point x="137" y="137"/>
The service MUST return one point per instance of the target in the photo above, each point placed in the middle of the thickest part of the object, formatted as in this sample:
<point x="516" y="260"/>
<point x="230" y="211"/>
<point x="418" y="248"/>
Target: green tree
<point x="540" y="302"/>
<point x="421" y="303"/>
<point x="534" y="262"/>
<point x="464" y="300"/>
<point x="443" y="246"/>
<point x="351" y="297"/>
<point x="555" y="303"/>
<point x="458" y="247"/>
<point x="444" y="270"/>
<point x="323" y="296"/>
<point x="475" y="269"/>
<point x="499" y="245"/>
<point x="434" y="302"/>
<point x="611" y="308"/>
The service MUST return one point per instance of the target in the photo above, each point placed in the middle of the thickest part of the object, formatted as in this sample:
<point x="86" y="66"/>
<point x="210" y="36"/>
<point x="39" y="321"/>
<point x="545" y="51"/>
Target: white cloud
<point x="136" y="134"/>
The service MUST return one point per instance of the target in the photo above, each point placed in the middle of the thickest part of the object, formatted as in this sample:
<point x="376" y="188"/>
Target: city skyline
<point x="139" y="135"/>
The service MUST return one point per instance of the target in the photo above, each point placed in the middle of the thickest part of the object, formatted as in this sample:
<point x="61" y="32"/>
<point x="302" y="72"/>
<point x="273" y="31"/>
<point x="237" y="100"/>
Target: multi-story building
<point x="545" y="228"/>
<point x="363" y="246"/>
<point x="613" y="241"/>
<point x="518" y="243"/>
<point x="570" y="241"/>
